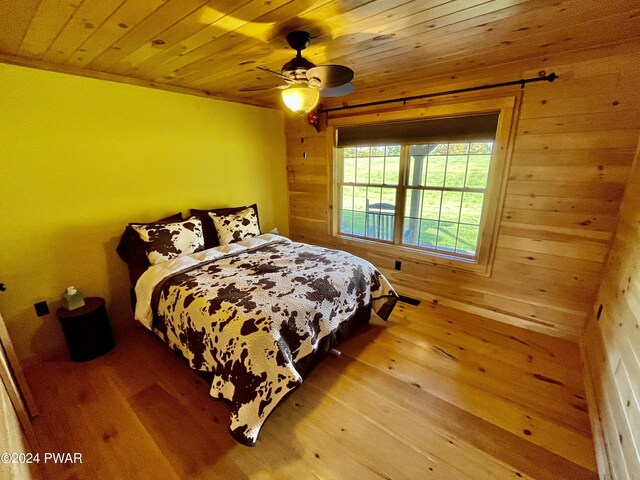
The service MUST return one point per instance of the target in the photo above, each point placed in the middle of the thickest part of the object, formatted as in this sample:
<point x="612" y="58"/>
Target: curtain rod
<point x="522" y="82"/>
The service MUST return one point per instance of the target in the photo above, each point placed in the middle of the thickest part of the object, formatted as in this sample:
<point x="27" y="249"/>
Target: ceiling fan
<point x="306" y="82"/>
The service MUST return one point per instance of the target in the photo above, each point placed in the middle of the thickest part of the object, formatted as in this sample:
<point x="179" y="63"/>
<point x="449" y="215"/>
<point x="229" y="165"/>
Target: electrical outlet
<point x="42" y="309"/>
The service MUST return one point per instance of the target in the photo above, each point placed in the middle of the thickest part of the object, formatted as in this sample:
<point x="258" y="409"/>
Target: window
<point x="369" y="191"/>
<point x="430" y="186"/>
<point x="443" y="194"/>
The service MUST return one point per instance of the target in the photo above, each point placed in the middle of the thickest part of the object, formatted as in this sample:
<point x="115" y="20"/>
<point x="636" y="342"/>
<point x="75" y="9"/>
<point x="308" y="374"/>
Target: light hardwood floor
<point x="434" y="393"/>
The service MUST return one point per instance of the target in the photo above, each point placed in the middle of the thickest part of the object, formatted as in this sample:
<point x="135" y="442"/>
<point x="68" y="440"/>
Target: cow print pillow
<point x="236" y="226"/>
<point x="164" y="241"/>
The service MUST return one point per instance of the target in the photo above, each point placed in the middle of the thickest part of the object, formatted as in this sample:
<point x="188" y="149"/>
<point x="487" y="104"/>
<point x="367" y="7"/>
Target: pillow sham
<point x="209" y="229"/>
<point x="164" y="241"/>
<point x="131" y="248"/>
<point x="236" y="226"/>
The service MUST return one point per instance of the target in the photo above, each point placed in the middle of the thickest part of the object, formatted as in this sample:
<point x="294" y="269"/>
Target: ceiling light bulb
<point x="300" y="98"/>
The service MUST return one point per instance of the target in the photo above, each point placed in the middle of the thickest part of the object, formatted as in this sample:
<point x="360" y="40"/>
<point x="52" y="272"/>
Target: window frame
<point x="495" y="190"/>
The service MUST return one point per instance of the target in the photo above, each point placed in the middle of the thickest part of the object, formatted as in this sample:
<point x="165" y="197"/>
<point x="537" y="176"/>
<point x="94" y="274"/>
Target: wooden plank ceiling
<point x="213" y="48"/>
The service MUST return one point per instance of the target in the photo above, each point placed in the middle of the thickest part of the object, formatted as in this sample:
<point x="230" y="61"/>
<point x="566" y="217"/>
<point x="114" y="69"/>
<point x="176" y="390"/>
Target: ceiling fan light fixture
<point x="300" y="98"/>
<point x="306" y="82"/>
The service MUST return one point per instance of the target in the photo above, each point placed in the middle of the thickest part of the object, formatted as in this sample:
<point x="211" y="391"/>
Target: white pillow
<point x="164" y="241"/>
<point x="236" y="226"/>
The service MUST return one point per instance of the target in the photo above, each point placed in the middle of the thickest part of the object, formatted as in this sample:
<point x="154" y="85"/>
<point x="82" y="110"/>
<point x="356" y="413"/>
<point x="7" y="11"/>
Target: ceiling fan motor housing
<point x="297" y="67"/>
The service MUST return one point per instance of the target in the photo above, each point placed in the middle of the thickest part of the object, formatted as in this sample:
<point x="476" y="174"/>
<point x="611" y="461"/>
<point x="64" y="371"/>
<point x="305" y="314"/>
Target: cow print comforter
<point x="247" y="312"/>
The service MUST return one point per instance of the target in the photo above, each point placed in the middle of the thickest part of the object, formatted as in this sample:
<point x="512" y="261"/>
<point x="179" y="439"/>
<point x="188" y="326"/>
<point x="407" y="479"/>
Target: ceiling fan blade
<point x="339" y="91"/>
<point x="258" y="88"/>
<point x="265" y="69"/>
<point x="329" y="76"/>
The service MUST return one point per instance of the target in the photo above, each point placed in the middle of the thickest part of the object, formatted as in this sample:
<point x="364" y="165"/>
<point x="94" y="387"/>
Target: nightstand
<point x="87" y="330"/>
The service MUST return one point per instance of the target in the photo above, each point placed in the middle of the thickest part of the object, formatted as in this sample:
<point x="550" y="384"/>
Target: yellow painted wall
<point x="80" y="158"/>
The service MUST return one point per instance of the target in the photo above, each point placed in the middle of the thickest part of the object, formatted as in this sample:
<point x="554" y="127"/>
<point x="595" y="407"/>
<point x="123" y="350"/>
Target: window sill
<point x="403" y="252"/>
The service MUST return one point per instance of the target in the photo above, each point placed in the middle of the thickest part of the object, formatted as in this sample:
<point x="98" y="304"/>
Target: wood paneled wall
<point x="572" y="156"/>
<point x="611" y="347"/>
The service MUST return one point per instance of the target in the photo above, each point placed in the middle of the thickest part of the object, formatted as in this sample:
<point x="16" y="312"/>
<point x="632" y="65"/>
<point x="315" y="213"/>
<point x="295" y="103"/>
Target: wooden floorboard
<point x="433" y="393"/>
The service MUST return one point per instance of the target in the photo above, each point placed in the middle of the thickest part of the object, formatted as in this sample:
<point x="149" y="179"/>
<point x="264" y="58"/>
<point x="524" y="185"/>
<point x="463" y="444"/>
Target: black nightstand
<point x="87" y="330"/>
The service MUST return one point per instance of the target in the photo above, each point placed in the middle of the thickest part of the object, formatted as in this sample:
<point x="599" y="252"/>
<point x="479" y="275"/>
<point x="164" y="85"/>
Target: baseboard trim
<point x="542" y="327"/>
<point x="595" y="418"/>
<point x="58" y="352"/>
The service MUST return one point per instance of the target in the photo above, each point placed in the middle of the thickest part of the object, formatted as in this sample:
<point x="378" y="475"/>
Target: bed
<point x="255" y="313"/>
